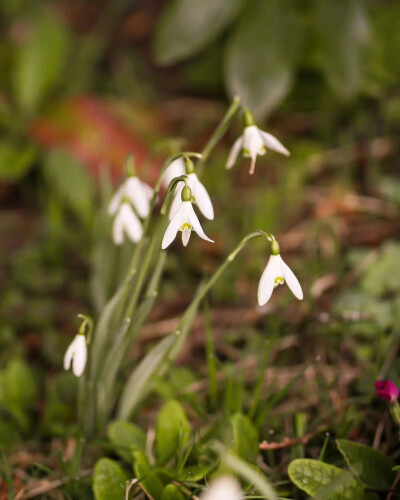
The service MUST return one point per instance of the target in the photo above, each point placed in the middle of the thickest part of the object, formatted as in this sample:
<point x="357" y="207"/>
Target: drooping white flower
<point x="223" y="488"/>
<point x="276" y="273"/>
<point x="175" y="169"/>
<point x="77" y="355"/>
<point x="254" y="142"/>
<point x="126" y="222"/>
<point x="136" y="192"/>
<point x="184" y="220"/>
<point x="200" y="197"/>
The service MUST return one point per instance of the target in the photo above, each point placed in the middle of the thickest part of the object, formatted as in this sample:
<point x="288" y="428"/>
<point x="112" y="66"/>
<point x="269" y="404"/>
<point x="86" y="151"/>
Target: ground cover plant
<point x="197" y="301"/>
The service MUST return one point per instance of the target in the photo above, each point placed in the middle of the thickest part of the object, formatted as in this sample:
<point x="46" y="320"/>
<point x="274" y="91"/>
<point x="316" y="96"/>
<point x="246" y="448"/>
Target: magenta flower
<point x="386" y="389"/>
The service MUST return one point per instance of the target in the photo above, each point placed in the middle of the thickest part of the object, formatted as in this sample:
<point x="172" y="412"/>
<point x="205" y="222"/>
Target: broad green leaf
<point x="173" y="429"/>
<point x="70" y="181"/>
<point x="171" y="492"/>
<point x="372" y="466"/>
<point x="380" y="278"/>
<point x="40" y="60"/>
<point x="149" y="480"/>
<point x="187" y="26"/>
<point x="245" y="437"/>
<point x="109" y="480"/>
<point x="15" y="160"/>
<point x="20" y="385"/>
<point x="126" y="437"/>
<point x="262" y="54"/>
<point x="344" y="32"/>
<point x="324" y="481"/>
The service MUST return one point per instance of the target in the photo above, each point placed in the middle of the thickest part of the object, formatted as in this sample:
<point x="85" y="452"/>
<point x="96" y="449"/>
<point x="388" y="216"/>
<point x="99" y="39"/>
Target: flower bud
<point x="130" y="165"/>
<point x="189" y="167"/>
<point x="248" y="118"/>
<point x="186" y="194"/>
<point x="387" y="390"/>
<point x="275" y="249"/>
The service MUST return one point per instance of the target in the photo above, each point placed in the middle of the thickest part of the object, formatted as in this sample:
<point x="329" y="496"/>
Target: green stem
<point x="220" y="131"/>
<point x="211" y="359"/>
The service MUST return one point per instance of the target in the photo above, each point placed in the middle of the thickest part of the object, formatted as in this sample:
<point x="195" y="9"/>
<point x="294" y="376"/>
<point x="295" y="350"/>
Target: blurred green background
<point x="82" y="84"/>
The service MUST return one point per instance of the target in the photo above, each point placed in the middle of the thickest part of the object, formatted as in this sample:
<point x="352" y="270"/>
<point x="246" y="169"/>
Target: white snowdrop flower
<point x="223" y="488"/>
<point x="199" y="194"/>
<point x="184" y="220"/>
<point x="136" y="192"/>
<point x="175" y="169"/>
<point x="254" y="142"/>
<point x="126" y="222"/>
<point x="77" y="355"/>
<point x="276" y="273"/>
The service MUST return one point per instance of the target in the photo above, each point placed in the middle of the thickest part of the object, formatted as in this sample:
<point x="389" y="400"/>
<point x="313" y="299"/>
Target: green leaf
<point x="187" y="26"/>
<point x="245" y="437"/>
<point x="343" y="28"/>
<point x="149" y="480"/>
<point x="109" y="480"/>
<point x="15" y="160"/>
<point x="173" y="429"/>
<point x="324" y="481"/>
<point x="70" y="181"/>
<point x="139" y="380"/>
<point x="380" y="278"/>
<point x="40" y="60"/>
<point x="171" y="492"/>
<point x="372" y="466"/>
<point x="20" y="386"/>
<point x="126" y="437"/>
<point x="262" y="54"/>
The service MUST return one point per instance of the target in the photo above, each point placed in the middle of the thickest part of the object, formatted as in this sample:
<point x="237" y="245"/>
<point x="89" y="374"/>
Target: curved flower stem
<point x="220" y="131"/>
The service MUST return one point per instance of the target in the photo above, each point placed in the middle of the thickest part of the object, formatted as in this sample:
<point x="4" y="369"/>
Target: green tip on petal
<point x="248" y="118"/>
<point x="186" y="194"/>
<point x="275" y="249"/>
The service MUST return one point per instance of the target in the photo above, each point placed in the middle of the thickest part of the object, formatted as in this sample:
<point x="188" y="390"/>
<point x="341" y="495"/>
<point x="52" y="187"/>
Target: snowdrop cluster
<point x="132" y="202"/>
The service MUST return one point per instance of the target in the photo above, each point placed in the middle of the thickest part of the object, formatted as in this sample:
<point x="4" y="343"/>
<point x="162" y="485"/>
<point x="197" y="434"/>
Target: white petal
<point x="253" y="145"/>
<point x="148" y="190"/>
<point x="186" y="236"/>
<point x="235" y="150"/>
<point x="131" y="223"/>
<point x="79" y="361"/>
<point x="118" y="229"/>
<point x="202" y="198"/>
<point x="267" y="281"/>
<point x="272" y="142"/>
<point x="194" y="221"/>
<point x="173" y="228"/>
<point x="69" y="354"/>
<point x="134" y="191"/>
<point x="177" y="201"/>
<point x="176" y="169"/>
<point x="292" y="281"/>
<point x="223" y="488"/>
<point x="115" y="202"/>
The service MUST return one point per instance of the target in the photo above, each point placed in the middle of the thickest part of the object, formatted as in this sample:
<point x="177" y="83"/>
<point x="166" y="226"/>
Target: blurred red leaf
<point x="101" y="132"/>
